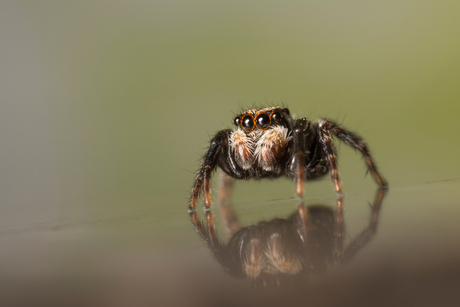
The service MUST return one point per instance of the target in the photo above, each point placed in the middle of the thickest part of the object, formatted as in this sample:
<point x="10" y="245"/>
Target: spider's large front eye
<point x="248" y="122"/>
<point x="263" y="120"/>
<point x="237" y="121"/>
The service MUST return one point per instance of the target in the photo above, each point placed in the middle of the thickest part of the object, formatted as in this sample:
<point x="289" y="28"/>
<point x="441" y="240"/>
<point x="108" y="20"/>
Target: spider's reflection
<point x="305" y="243"/>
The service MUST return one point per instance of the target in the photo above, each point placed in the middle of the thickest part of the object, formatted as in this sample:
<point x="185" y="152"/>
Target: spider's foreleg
<point x="219" y="143"/>
<point x="357" y="143"/>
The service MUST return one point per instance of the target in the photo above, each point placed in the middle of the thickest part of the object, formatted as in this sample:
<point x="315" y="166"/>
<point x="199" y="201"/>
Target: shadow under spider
<point x="271" y="252"/>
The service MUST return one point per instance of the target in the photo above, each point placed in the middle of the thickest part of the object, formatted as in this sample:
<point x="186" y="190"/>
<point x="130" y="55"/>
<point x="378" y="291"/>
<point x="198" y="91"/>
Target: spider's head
<point x="261" y="119"/>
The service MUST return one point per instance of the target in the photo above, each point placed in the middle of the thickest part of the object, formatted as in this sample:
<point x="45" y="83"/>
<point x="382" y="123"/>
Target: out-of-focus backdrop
<point x="107" y="106"/>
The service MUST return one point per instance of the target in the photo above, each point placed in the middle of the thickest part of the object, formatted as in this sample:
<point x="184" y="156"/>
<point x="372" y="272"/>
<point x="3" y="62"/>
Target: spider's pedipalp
<point x="242" y="147"/>
<point x="271" y="146"/>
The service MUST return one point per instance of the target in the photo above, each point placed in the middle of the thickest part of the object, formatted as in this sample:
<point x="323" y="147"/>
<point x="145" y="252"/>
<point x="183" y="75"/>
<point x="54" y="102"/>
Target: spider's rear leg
<point x="357" y="143"/>
<point x="326" y="141"/>
<point x="298" y="162"/>
<point x="218" y="145"/>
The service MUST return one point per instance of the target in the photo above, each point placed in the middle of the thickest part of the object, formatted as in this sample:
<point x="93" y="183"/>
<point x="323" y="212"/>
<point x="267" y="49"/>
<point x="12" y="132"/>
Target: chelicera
<point x="269" y="143"/>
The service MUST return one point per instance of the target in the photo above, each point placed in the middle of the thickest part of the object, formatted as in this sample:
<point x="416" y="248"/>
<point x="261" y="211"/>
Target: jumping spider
<point x="269" y="143"/>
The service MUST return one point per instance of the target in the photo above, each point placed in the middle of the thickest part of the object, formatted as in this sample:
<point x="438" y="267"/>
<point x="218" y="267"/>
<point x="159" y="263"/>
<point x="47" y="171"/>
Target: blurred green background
<point x="107" y="106"/>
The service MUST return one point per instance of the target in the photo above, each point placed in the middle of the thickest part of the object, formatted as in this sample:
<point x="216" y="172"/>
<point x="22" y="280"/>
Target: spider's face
<point x="259" y="120"/>
<point x="261" y="138"/>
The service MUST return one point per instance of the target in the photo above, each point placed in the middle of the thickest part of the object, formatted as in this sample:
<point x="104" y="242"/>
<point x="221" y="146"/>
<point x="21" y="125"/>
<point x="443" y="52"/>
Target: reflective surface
<point x="106" y="109"/>
<point x="413" y="258"/>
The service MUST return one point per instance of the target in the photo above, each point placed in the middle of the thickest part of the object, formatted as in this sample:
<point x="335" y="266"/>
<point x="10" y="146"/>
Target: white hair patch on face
<point x="271" y="146"/>
<point x="243" y="148"/>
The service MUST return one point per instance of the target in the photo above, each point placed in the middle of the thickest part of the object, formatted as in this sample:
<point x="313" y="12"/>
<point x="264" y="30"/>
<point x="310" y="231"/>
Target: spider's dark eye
<point x="248" y="122"/>
<point x="286" y="110"/>
<point x="276" y="117"/>
<point x="237" y="121"/>
<point x="263" y="120"/>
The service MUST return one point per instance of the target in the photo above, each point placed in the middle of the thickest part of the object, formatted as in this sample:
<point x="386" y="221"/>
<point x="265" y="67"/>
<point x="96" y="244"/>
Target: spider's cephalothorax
<point x="260" y="141"/>
<point x="269" y="143"/>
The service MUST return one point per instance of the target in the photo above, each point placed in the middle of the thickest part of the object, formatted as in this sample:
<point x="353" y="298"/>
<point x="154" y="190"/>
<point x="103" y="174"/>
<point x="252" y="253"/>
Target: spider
<point x="269" y="143"/>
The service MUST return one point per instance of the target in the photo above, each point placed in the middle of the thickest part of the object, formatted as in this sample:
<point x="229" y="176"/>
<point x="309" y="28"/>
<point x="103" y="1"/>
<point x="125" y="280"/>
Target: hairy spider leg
<point x="357" y="143"/>
<point x="203" y="179"/>
<point x="363" y="238"/>
<point x="326" y="141"/>
<point x="298" y="163"/>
